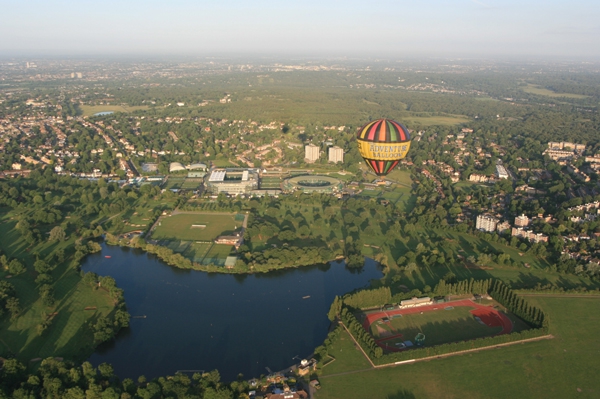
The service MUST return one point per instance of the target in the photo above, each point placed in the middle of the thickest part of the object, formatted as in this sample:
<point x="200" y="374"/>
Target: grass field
<point x="68" y="336"/>
<point x="89" y="110"/>
<point x="270" y="182"/>
<point x="401" y="197"/>
<point x="535" y="89"/>
<point x="179" y="227"/>
<point x="191" y="184"/>
<point x="564" y="367"/>
<point x="174" y="183"/>
<point x="223" y="163"/>
<point x="347" y="356"/>
<point x="400" y="176"/>
<point x="444" y="120"/>
<point x="439" y="326"/>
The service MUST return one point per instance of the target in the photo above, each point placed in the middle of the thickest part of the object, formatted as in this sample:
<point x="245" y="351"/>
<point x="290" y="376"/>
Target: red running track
<point x="487" y="314"/>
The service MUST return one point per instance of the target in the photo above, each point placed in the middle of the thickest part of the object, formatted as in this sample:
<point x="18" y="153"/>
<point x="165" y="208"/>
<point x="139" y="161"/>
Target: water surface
<point x="234" y="323"/>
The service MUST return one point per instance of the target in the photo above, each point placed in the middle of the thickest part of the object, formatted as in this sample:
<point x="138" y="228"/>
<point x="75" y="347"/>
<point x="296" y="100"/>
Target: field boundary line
<point x="411" y="361"/>
<point x="357" y="344"/>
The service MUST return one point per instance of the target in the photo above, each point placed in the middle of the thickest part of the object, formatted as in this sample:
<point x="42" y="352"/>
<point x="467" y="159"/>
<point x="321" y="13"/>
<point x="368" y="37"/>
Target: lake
<point x="233" y="323"/>
<point x="104" y="113"/>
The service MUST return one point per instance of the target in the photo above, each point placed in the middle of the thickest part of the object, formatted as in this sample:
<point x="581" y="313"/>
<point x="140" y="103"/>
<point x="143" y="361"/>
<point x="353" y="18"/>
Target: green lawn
<point x="68" y="336"/>
<point x="219" y="251"/>
<point x="191" y="184"/>
<point x="564" y="367"/>
<point x="174" y="183"/>
<point x="347" y="356"/>
<point x="183" y="227"/>
<point x="445" y="120"/>
<point x="401" y="197"/>
<point x="197" y="252"/>
<point x="439" y="326"/>
<point x="310" y="215"/>
<point x="400" y="176"/>
<point x="535" y="89"/>
<point x="89" y="110"/>
<point x="223" y="163"/>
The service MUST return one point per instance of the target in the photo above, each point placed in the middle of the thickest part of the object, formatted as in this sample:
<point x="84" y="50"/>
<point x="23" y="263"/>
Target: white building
<point x="232" y="181"/>
<point x="414" y="302"/>
<point x="486" y="223"/>
<point x="501" y="172"/>
<point x="336" y="154"/>
<point x="311" y="153"/>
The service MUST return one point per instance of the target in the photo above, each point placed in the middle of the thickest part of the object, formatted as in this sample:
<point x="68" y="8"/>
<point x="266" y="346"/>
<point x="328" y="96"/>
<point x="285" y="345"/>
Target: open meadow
<point x="563" y="367"/>
<point x="535" y="89"/>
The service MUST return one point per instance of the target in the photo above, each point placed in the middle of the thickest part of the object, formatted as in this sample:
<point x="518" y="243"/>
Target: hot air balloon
<point x="382" y="144"/>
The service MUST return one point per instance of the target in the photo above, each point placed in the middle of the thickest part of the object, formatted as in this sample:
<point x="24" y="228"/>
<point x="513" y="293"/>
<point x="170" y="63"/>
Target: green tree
<point x="57" y="234"/>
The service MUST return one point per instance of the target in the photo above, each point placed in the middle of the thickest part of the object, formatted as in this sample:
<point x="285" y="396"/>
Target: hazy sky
<point x="381" y="28"/>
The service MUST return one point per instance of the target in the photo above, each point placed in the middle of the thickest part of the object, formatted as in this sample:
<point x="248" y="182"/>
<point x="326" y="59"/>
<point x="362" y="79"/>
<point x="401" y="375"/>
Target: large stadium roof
<point x="217" y="176"/>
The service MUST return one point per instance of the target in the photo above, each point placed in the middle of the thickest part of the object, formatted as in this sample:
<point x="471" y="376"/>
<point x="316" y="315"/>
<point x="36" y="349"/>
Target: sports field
<point x="270" y="182"/>
<point x="206" y="253"/>
<point x="194" y="227"/>
<point x="563" y="367"/>
<point x="441" y="323"/>
<point x="174" y="183"/>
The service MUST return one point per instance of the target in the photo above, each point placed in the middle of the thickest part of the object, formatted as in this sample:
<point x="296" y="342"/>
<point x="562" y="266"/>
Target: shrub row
<point x="362" y="337"/>
<point x="518" y="305"/>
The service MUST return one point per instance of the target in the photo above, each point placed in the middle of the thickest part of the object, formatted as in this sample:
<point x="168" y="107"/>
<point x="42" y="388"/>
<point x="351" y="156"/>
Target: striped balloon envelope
<point x="383" y="144"/>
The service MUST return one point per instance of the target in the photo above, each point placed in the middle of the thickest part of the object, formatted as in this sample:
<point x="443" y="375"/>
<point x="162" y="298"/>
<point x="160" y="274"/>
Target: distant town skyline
<point x="382" y="28"/>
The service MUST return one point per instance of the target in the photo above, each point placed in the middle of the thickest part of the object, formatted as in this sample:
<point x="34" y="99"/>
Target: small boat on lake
<point x="306" y="297"/>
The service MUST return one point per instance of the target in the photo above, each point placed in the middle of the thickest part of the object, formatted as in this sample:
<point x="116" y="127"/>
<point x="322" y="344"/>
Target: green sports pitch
<point x="444" y="325"/>
<point x="195" y="227"/>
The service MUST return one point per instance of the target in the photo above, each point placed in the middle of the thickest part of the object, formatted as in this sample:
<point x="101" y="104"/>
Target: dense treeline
<point x="518" y="305"/>
<point x="470" y="286"/>
<point x="368" y="298"/>
<point x="362" y="336"/>
<point x="64" y="379"/>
